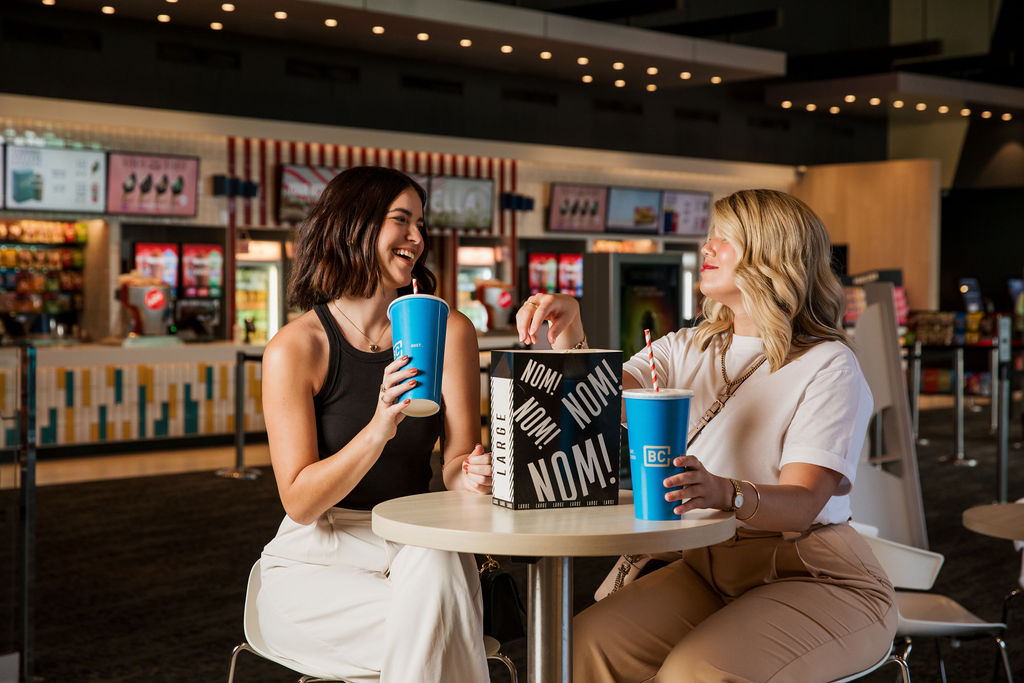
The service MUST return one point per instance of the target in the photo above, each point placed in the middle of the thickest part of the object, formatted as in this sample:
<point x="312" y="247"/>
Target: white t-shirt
<point x="815" y="409"/>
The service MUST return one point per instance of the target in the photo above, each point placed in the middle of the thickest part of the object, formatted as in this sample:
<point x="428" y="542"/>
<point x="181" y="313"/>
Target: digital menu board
<point x="2" y="175"/>
<point x="570" y="274"/>
<point x="52" y="179"/>
<point x="301" y="186"/>
<point x="633" y="210"/>
<point x="577" y="208"/>
<point x="202" y="270"/>
<point x="686" y="213"/>
<point x="152" y="185"/>
<point x="466" y="203"/>
<point x="158" y="261"/>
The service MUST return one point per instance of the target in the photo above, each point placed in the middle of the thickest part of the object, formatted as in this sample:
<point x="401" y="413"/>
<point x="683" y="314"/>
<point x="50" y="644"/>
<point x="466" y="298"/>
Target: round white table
<point x="999" y="520"/>
<point x="466" y="522"/>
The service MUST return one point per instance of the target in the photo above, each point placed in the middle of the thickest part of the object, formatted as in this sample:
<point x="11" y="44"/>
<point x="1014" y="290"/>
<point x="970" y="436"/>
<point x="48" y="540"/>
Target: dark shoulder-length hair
<point x="336" y="246"/>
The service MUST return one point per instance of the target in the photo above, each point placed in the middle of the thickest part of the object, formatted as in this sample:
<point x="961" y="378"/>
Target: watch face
<point x="738" y="501"/>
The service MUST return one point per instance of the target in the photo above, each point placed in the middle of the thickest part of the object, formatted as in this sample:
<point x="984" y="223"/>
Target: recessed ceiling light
<point x="652" y="71"/>
<point x="833" y="109"/>
<point x="107" y="9"/>
<point x="920" y="106"/>
<point x="506" y="49"/>
<point x="216" y="25"/>
<point x="172" y="2"/>
<point x="545" y="55"/>
<point x="587" y="78"/>
<point x="422" y="36"/>
<point x="227" y="7"/>
<point x="875" y="101"/>
<point x="716" y="79"/>
<point x="685" y="75"/>
<point x="378" y="30"/>
<point x="811" y="106"/>
<point x="943" y="109"/>
<point x="49" y="2"/>
<point x="1007" y="116"/>
<point x="620" y="83"/>
<point x="897" y="104"/>
<point x="986" y="114"/>
<point x="965" y="112"/>
<point x="651" y="87"/>
<point x="850" y="99"/>
<point x="786" y="104"/>
<point x="583" y="61"/>
<point x="163" y="18"/>
<point x="618" y="66"/>
<point x="280" y="14"/>
<point x="465" y="42"/>
<point x="330" y="23"/>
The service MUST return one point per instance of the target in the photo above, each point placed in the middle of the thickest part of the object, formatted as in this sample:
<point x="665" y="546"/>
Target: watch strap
<point x="737" y="492"/>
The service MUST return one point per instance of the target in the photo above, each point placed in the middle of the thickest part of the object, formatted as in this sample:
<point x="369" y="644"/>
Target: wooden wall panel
<point x="888" y="213"/>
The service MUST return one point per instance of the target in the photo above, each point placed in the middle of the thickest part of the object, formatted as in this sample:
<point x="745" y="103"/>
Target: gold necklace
<point x="374" y="345"/>
<point x="730" y="385"/>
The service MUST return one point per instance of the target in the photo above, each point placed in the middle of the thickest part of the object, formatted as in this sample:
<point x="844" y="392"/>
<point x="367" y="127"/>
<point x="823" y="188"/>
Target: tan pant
<point x="758" y="607"/>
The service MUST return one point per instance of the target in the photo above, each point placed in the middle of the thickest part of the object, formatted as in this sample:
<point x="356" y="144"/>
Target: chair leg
<point x="1006" y="602"/>
<point x="1006" y="661"/>
<point x="234" y="656"/>
<point x="500" y="656"/>
<point x="942" y="663"/>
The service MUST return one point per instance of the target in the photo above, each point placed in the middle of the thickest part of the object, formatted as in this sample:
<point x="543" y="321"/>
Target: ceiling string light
<point x="377" y="30"/>
<point x="465" y="42"/>
<point x="716" y="79"/>
<point x="330" y="23"/>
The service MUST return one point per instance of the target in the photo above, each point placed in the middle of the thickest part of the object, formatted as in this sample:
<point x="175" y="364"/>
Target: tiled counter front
<point x="96" y="394"/>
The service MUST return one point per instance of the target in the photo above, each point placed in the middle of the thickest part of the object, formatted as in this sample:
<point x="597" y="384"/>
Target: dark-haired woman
<point x="337" y="599"/>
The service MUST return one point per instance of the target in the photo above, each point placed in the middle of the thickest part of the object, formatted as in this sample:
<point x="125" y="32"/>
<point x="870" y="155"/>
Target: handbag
<point x="504" y="612"/>
<point x="629" y="568"/>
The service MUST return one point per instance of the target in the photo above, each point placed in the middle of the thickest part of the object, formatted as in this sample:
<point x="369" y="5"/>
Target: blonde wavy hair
<point x="783" y="274"/>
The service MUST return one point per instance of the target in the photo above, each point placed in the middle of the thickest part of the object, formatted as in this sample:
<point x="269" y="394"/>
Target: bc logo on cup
<point x="657" y="456"/>
<point x="397" y="349"/>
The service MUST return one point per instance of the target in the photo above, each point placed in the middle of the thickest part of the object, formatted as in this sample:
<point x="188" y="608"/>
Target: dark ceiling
<point x="821" y="39"/>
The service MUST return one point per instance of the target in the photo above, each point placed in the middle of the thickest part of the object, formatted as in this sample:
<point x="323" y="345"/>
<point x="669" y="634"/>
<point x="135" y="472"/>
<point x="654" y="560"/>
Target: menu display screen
<point x="466" y="203"/>
<point x="577" y="208"/>
<point x="301" y="187"/>
<point x="202" y="270"/>
<point x="686" y="213"/>
<point x="2" y="175"/>
<point x="152" y="185"/>
<point x="48" y="179"/>
<point x="633" y="210"/>
<point x="158" y="261"/>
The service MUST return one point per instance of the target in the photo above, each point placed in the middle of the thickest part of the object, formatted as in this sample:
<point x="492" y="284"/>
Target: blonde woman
<point x="796" y="595"/>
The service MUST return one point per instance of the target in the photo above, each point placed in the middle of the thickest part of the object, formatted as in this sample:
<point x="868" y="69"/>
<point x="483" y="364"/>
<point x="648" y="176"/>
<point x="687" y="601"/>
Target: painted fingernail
<point x="465" y="466"/>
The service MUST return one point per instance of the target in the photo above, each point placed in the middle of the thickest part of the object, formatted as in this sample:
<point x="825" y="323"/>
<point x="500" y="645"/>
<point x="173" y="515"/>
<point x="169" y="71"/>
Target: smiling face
<point x="401" y="240"/>
<point x="717" y="274"/>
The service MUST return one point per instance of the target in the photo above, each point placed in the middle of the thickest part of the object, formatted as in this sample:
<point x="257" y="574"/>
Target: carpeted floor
<point x="144" y="579"/>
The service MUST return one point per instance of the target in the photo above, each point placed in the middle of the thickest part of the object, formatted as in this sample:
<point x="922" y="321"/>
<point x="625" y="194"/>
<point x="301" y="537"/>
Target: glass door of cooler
<point x="258" y="291"/>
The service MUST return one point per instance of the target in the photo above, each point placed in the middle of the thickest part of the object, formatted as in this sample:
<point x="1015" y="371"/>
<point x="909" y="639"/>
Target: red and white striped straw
<point x="650" y="355"/>
<point x="415" y="288"/>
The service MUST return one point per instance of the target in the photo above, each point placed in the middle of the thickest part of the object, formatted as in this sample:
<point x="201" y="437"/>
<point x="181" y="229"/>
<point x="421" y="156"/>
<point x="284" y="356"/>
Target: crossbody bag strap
<point x="717" y="406"/>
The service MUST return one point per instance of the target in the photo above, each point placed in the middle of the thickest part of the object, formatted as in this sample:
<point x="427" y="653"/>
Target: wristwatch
<point x="737" y="496"/>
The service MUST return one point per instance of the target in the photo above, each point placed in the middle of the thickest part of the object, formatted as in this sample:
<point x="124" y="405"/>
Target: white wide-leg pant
<point x="348" y="604"/>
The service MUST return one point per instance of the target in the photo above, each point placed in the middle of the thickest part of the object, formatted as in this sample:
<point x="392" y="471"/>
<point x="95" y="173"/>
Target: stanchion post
<point x="240" y="471"/>
<point x="1004" y="341"/>
<point x="27" y="566"/>
<point x="915" y="391"/>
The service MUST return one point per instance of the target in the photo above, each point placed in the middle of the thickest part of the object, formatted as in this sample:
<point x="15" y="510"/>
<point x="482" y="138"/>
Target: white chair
<point x="930" y="614"/>
<point x="889" y="657"/>
<point x="255" y="644"/>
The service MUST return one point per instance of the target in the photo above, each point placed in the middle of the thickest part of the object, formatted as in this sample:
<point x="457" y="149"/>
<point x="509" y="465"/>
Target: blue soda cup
<point x="418" y="326"/>
<point x="656" y="422"/>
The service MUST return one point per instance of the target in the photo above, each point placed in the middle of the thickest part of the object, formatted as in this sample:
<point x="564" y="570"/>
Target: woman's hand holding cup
<point x="397" y="380"/>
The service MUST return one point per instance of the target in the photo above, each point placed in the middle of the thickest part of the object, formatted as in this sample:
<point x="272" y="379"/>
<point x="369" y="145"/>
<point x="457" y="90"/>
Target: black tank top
<point x="346" y="403"/>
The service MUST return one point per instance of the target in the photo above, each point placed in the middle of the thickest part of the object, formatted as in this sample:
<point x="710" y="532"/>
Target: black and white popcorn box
<point x="555" y="428"/>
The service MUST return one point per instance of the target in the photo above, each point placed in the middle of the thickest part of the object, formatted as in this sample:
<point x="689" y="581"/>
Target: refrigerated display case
<point x="258" y="286"/>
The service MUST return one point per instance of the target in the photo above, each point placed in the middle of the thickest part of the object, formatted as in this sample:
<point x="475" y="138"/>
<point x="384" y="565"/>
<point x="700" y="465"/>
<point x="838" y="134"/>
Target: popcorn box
<point x="555" y="428"/>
